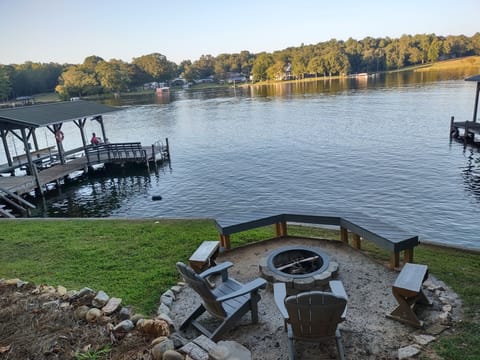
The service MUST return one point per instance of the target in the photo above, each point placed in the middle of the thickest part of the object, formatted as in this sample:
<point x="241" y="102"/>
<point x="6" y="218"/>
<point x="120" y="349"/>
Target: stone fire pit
<point x="301" y="268"/>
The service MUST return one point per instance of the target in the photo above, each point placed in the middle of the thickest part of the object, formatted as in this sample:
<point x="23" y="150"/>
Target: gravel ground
<point x="367" y="333"/>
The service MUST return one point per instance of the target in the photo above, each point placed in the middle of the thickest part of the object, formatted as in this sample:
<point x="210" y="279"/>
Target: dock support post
<point x="465" y="135"/>
<point x="475" y="109"/>
<point x="5" y="146"/>
<point x="168" y="148"/>
<point x="452" y="130"/>
<point x="31" y="164"/>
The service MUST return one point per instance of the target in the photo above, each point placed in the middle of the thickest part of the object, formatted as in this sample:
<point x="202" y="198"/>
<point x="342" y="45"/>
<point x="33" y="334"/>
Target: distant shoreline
<point x="444" y="65"/>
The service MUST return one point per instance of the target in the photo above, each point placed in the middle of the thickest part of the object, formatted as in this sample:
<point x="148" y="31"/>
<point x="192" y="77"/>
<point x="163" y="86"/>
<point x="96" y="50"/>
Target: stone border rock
<point x="98" y="307"/>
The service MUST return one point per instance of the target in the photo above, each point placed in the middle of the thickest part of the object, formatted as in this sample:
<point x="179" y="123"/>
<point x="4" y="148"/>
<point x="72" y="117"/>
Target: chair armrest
<point x="279" y="295"/>
<point x="338" y="290"/>
<point x="245" y="289"/>
<point x="217" y="269"/>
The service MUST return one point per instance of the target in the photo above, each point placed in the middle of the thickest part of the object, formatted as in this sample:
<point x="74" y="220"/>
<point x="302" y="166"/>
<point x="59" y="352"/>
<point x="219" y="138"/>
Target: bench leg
<point x="408" y="255"/>
<point x="357" y="243"/>
<point x="225" y="241"/>
<point x="343" y="234"/>
<point x="395" y="260"/>
<point x="404" y="312"/>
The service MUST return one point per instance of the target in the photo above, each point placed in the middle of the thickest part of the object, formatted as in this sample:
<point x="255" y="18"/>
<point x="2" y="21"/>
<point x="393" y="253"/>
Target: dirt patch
<point x="367" y="333"/>
<point x="42" y="325"/>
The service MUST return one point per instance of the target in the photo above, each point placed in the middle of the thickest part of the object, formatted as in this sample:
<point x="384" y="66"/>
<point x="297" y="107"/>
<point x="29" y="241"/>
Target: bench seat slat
<point x="411" y="277"/>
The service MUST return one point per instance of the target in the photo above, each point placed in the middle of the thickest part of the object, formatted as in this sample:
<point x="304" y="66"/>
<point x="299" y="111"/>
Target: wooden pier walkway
<point x="467" y="130"/>
<point x="53" y="163"/>
<point x="110" y="154"/>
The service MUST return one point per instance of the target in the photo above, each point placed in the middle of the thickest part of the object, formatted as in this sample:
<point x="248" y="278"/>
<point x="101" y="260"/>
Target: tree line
<point x="330" y="58"/>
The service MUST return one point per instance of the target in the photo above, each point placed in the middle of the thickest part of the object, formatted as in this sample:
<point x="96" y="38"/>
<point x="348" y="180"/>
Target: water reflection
<point x="379" y="145"/>
<point x="471" y="173"/>
<point x="324" y="85"/>
<point x="101" y="194"/>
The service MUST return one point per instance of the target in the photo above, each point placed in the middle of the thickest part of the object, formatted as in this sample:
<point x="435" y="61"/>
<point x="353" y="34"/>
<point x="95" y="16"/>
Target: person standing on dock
<point x="94" y="140"/>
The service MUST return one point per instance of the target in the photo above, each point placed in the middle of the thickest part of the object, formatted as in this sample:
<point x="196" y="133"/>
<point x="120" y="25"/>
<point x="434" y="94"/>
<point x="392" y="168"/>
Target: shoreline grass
<point x="135" y="260"/>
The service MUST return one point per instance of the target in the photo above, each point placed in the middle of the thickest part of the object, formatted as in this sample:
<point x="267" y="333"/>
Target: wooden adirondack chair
<point x="312" y="315"/>
<point x="229" y="300"/>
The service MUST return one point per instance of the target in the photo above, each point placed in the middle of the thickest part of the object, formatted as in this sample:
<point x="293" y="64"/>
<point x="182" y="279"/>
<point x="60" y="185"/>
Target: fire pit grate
<point x="301" y="268"/>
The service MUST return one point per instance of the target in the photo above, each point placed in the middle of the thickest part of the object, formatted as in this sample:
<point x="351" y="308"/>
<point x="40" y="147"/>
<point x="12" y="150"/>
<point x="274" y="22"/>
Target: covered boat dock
<point x="53" y="163"/>
<point x="469" y="128"/>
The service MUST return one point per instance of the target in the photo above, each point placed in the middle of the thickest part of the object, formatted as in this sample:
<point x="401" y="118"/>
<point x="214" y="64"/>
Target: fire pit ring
<point x="301" y="268"/>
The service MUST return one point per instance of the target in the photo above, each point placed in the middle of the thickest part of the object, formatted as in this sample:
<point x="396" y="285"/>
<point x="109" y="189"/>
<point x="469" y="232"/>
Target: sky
<point x="68" y="31"/>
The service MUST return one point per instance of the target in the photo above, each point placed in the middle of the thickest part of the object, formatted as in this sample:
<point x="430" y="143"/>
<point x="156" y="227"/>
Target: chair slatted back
<point x="202" y="288"/>
<point x="314" y="314"/>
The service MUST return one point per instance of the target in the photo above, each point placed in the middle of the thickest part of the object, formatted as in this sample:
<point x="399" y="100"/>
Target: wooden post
<point x="34" y="137"/>
<point x="343" y="234"/>
<point x="465" y="135"/>
<point x="168" y="148"/>
<point x="394" y="260"/>
<point x="5" y="146"/>
<point x="281" y="229"/>
<point x="475" y="109"/>
<point x="451" y="126"/>
<point x="408" y="255"/>
<point x="225" y="241"/>
<point x="356" y="241"/>
<point x="100" y="120"/>
<point x="58" y="128"/>
<point x="32" y="166"/>
<point x="81" y="125"/>
<point x="283" y="226"/>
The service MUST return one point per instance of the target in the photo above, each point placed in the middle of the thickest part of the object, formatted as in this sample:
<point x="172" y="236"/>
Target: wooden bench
<point x="204" y="256"/>
<point x="407" y="290"/>
<point x="360" y="225"/>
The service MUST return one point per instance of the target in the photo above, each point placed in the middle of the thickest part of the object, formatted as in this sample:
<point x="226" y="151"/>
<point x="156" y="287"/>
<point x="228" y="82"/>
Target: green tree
<point x="475" y="43"/>
<point x="156" y="66"/>
<point x="76" y="82"/>
<point x="222" y="65"/>
<point x="260" y="66"/>
<point x="335" y="60"/>
<point x="5" y="88"/>
<point x="300" y="62"/>
<point x="90" y="63"/>
<point x="434" y="50"/>
<point x="355" y="55"/>
<point x="317" y="65"/>
<point x="113" y="75"/>
<point x="393" y="56"/>
<point x="276" y="71"/>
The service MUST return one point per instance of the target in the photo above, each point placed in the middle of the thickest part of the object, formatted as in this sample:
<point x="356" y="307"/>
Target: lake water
<point x="379" y="146"/>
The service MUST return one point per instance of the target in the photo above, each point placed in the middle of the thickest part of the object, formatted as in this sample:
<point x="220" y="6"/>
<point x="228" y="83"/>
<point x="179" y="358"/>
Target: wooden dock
<point x="465" y="130"/>
<point x="50" y="171"/>
<point x="53" y="163"/>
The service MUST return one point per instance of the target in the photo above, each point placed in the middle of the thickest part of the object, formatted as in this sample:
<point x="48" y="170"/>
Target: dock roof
<point x="473" y="78"/>
<point x="51" y="113"/>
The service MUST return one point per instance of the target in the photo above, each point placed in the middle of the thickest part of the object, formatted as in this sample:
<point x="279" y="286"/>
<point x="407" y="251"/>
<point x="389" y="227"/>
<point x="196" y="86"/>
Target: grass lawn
<point x="453" y="64"/>
<point x="135" y="260"/>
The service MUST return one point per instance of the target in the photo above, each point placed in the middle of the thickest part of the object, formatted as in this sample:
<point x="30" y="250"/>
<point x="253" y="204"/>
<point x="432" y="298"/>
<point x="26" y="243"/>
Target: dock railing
<point x="117" y="153"/>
